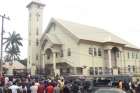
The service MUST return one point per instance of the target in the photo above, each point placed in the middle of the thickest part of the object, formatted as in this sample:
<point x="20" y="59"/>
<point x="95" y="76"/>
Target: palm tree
<point x="13" y="54"/>
<point x="13" y="42"/>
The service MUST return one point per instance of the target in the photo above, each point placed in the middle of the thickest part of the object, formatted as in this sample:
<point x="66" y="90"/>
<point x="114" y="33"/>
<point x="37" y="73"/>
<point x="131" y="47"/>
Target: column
<point x="122" y="62"/>
<point x="43" y="63"/>
<point x="109" y="60"/>
<point x="54" y="63"/>
<point x="120" y="59"/>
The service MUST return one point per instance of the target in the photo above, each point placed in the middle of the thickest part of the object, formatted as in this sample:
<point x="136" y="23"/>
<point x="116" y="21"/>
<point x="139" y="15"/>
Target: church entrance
<point x="114" y="56"/>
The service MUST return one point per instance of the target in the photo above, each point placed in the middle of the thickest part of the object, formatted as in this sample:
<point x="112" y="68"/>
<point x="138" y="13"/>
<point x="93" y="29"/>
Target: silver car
<point x="109" y="90"/>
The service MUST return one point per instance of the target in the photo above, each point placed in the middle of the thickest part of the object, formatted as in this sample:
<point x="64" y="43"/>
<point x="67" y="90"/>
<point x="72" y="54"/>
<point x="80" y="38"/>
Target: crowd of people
<point x="39" y="85"/>
<point x="32" y="85"/>
<point x="129" y="87"/>
<point x="60" y="85"/>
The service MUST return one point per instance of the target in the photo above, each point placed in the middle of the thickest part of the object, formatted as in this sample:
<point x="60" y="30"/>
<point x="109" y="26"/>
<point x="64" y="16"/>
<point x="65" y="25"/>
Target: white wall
<point x="68" y="42"/>
<point x="33" y="49"/>
<point x="88" y="60"/>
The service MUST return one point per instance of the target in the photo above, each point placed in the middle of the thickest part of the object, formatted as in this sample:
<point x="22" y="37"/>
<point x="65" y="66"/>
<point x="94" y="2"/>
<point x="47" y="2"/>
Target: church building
<point x="68" y="48"/>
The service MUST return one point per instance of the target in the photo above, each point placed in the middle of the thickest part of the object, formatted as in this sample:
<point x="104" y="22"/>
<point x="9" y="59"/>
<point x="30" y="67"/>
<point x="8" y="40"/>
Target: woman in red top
<point x="50" y="88"/>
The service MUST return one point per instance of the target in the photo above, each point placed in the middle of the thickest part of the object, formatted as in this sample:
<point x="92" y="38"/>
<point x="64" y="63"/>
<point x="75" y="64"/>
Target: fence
<point x="112" y="71"/>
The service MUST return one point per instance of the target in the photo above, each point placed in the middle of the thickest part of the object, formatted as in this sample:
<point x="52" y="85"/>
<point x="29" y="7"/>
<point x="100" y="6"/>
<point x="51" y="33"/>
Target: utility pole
<point x="2" y="31"/>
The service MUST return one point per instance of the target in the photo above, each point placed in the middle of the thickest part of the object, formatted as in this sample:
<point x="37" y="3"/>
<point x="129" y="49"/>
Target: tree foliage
<point x="12" y="46"/>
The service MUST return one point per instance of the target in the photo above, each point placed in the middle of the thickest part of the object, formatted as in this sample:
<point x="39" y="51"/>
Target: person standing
<point x="34" y="88"/>
<point x="56" y="88"/>
<point x="61" y="82"/>
<point x="41" y="88"/>
<point x="28" y="85"/>
<point x="23" y="88"/>
<point x="49" y="88"/>
<point x="120" y="84"/>
<point x="14" y="88"/>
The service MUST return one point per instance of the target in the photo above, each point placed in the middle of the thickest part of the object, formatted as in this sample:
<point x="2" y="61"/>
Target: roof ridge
<point x="72" y="22"/>
<point x="88" y="32"/>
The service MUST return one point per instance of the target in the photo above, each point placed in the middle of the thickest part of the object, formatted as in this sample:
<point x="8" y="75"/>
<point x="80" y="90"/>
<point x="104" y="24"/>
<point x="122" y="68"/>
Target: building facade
<point x="68" y="48"/>
<point x="71" y="48"/>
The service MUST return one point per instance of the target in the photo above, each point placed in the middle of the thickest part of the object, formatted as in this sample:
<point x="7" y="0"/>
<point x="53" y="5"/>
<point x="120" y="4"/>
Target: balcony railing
<point x="128" y="70"/>
<point x="115" y="71"/>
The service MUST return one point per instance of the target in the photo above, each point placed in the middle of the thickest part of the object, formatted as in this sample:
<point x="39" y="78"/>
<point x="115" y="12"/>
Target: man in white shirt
<point x="14" y="88"/>
<point x="34" y="88"/>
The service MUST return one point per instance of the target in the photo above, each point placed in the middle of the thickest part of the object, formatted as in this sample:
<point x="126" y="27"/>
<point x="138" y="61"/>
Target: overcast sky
<point x="121" y="17"/>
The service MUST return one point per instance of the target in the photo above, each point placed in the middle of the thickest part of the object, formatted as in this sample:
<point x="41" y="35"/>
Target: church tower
<point x="34" y="33"/>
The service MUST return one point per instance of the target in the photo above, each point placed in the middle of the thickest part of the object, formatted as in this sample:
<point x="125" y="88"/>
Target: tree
<point x="13" y="42"/>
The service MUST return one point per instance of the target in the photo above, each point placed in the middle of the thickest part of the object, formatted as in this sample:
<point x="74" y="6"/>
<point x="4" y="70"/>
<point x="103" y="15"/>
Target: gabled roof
<point x="85" y="32"/>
